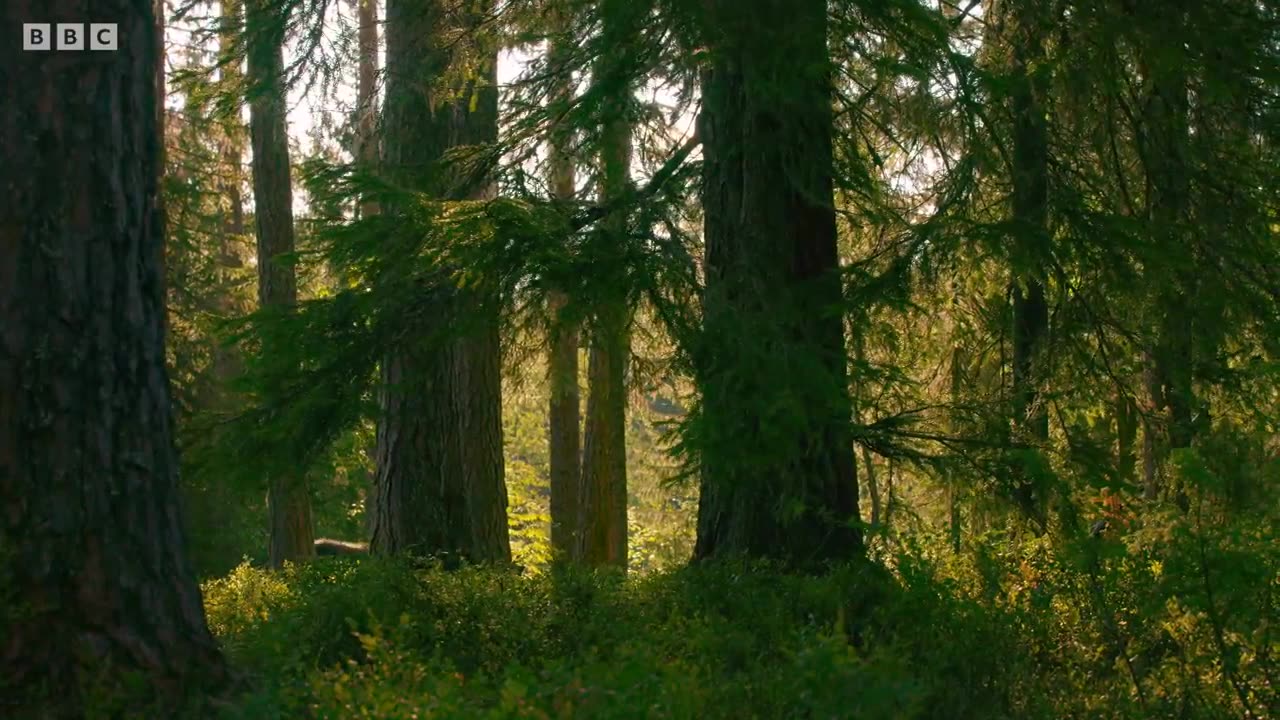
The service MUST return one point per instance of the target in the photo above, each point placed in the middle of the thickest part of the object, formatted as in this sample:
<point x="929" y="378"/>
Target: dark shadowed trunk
<point x="564" y="405"/>
<point x="1165" y="138"/>
<point x="94" y="576"/>
<point x="604" y="444"/>
<point x="288" y="497"/>
<point x="1025" y="30"/>
<point x="778" y="472"/>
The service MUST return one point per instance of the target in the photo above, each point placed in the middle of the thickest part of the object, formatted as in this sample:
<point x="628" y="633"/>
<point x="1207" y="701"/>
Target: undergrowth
<point x="1095" y="628"/>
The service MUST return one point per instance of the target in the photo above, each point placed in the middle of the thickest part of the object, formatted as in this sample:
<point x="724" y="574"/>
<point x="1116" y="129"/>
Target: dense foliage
<point x="1050" y="354"/>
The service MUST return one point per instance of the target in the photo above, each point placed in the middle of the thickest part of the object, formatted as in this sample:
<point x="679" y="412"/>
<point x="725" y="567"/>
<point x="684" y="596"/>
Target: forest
<point x="876" y="359"/>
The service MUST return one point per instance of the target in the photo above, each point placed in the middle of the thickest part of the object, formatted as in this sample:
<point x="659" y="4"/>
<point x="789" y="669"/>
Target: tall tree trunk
<point x="564" y="406"/>
<point x="478" y="387"/>
<point x="440" y="476"/>
<point x="1026" y="31"/>
<point x="292" y="535"/>
<point x="1126" y="434"/>
<point x="367" y="92"/>
<point x="1165" y="138"/>
<point x="604" y="445"/>
<point x="225" y="362"/>
<point x="778" y="470"/>
<point x="93" y="566"/>
<point x="953" y="485"/>
<point x="368" y="156"/>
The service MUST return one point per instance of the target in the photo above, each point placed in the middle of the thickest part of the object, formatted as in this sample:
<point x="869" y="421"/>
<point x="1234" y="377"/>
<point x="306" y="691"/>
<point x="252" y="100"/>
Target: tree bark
<point x="564" y="406"/>
<point x="1026" y="29"/>
<point x="604" y="445"/>
<point x="292" y="534"/>
<point x="367" y="92"/>
<point x="93" y="568"/>
<point x="440" y="475"/>
<point x="1165" y="136"/>
<point x="225" y="362"/>
<point x="778" y="470"/>
<point x="366" y="152"/>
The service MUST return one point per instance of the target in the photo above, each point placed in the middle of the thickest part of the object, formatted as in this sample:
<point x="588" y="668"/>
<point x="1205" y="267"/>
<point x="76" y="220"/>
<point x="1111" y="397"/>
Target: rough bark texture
<point x="778" y="472"/>
<point x="564" y="405"/>
<point x="94" y="576"/>
<point x="473" y="121"/>
<point x="419" y="506"/>
<point x="604" y="446"/>
<point x="1026" y="33"/>
<point x="440" y="476"/>
<point x="292" y="533"/>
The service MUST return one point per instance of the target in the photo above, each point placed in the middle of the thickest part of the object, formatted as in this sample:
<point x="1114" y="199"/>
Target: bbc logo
<point x="70" y="36"/>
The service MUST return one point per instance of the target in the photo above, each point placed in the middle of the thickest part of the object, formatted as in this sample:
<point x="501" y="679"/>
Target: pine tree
<point x="93" y="560"/>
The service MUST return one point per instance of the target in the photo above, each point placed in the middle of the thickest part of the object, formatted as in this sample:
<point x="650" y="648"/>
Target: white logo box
<point x="70" y="36"/>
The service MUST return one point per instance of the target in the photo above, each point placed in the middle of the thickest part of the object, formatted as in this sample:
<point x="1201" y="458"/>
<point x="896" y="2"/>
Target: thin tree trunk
<point x="604" y="445"/>
<point x="1026" y="28"/>
<point x="778" y="468"/>
<point x="564" y="406"/>
<point x="96" y="581"/>
<point x="366" y="92"/>
<point x="1166" y="136"/>
<point x="953" y="485"/>
<point x="1126" y="436"/>
<point x="368" y="156"/>
<point x="873" y="485"/>
<point x="225" y="362"/>
<point x="292" y="535"/>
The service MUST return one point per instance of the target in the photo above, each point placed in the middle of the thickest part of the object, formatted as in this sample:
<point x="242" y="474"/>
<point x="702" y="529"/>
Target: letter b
<point x="37" y="36"/>
<point x="70" y="36"/>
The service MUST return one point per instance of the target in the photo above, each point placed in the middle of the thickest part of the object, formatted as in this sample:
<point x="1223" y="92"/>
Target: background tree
<point x="564" y="402"/>
<point x="604" y="450"/>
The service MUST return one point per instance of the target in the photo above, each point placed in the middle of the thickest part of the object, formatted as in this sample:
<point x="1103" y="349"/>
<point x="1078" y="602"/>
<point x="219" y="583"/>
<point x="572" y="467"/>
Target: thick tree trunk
<point x="292" y="534"/>
<point x="479" y="391"/>
<point x="778" y="471"/>
<point x="474" y="121"/>
<point x="604" y="448"/>
<point x="1026" y="31"/>
<point x="440" y="476"/>
<point x="604" y="445"/>
<point x="564" y="406"/>
<point x="419" y="506"/>
<point x="95" y="580"/>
